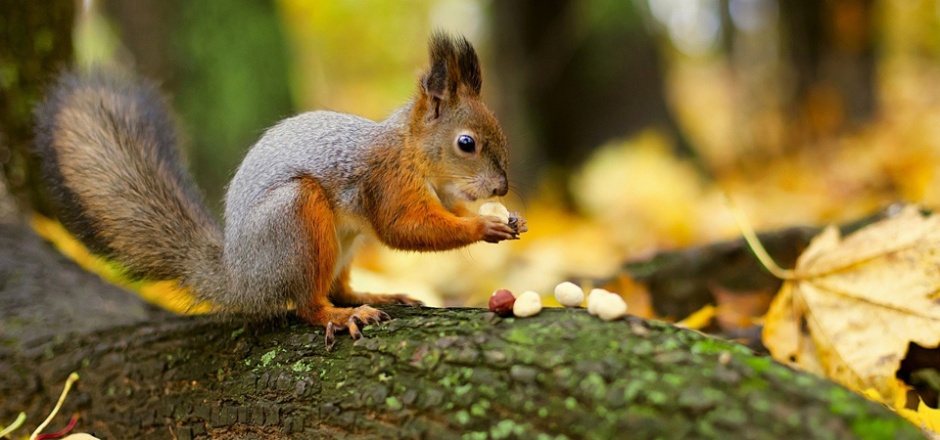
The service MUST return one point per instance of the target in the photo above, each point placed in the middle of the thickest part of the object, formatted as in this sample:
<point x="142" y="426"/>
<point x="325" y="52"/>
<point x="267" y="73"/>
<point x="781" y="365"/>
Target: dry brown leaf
<point x="855" y="304"/>
<point x="737" y="309"/>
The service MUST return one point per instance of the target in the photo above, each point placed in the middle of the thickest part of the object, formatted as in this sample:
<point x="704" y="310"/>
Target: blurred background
<point x="628" y="119"/>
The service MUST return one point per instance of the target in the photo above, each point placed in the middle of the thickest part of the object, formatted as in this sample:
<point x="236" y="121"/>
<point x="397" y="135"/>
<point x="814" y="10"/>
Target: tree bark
<point x="429" y="373"/>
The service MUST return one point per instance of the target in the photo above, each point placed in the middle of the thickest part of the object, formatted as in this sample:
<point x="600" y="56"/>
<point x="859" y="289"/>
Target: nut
<point x="593" y="297"/>
<point x="528" y="303"/>
<point x="501" y="302"/>
<point x="610" y="307"/>
<point x="495" y="209"/>
<point x="569" y="294"/>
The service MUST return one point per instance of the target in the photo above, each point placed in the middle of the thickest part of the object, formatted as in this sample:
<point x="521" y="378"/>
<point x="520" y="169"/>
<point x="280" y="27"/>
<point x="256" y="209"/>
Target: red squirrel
<point x="306" y="192"/>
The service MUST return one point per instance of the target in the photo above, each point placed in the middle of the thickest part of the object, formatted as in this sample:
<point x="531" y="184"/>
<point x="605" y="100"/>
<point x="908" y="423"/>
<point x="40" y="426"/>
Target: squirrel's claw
<point x="330" y="335"/>
<point x="354" y="329"/>
<point x="352" y="319"/>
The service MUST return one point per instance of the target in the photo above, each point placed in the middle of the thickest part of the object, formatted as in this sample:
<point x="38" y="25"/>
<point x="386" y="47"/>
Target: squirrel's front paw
<point x="495" y="230"/>
<point x="516" y="223"/>
<point x="343" y="318"/>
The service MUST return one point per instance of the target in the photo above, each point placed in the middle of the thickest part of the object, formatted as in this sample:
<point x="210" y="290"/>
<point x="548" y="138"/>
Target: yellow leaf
<point x="699" y="319"/>
<point x="925" y="417"/>
<point x="166" y="294"/>
<point x="855" y="305"/>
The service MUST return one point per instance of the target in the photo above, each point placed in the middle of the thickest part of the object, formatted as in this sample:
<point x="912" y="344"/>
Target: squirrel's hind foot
<point x="336" y="319"/>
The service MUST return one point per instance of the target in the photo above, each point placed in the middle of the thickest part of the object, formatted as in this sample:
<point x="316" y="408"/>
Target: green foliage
<point x="233" y="82"/>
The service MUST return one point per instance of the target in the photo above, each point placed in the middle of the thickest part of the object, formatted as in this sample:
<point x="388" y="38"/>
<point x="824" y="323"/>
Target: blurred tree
<point x="830" y="47"/>
<point x="773" y="76"/>
<point x="37" y="40"/>
<point x="573" y="75"/>
<point x="225" y="64"/>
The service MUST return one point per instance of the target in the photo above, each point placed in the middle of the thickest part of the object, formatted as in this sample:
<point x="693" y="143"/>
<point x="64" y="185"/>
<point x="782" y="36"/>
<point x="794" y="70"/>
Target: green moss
<point x="594" y="386"/>
<point x="730" y="416"/>
<point x="393" y="403"/>
<point x="505" y="429"/>
<point x="759" y="403"/>
<point x="478" y="409"/>
<point x="486" y="390"/>
<point x="520" y="335"/>
<point x="657" y="397"/>
<point x="669" y="344"/>
<point x="673" y="380"/>
<point x="268" y="357"/>
<point x="462" y="389"/>
<point x="301" y="367"/>
<point x="632" y="390"/>
<point x="706" y="429"/>
<point x="878" y="429"/>
<point x="760" y="364"/>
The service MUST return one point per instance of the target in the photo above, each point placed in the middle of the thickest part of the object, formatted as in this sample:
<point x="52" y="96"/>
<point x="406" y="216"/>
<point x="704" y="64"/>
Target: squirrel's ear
<point x="454" y="63"/>
<point x="469" y="64"/>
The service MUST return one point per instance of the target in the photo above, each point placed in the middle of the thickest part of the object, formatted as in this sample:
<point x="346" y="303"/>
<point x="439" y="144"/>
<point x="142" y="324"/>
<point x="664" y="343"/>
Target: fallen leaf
<point x="699" y="319"/>
<point x="737" y="309"/>
<point x="855" y="305"/>
<point x="166" y="294"/>
<point x="925" y="417"/>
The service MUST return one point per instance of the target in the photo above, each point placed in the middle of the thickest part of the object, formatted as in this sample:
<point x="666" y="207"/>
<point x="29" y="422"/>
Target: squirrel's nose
<point x="502" y="187"/>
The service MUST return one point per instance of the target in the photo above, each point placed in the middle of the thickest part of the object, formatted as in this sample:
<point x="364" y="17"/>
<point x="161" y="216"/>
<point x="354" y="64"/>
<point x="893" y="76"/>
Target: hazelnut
<point x="501" y="302"/>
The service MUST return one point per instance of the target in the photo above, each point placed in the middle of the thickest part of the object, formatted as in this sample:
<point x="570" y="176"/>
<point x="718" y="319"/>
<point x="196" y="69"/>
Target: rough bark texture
<point x="429" y="373"/>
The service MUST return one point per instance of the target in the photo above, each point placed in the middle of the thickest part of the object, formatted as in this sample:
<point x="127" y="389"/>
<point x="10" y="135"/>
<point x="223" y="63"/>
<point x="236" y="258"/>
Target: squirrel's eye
<point x="466" y="144"/>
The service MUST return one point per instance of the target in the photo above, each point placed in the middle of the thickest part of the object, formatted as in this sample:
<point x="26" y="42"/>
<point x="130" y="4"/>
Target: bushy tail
<point x="109" y="156"/>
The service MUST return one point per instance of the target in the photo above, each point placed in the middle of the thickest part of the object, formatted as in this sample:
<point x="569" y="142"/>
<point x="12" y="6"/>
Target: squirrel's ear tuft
<point x="440" y="80"/>
<point x="454" y="63"/>
<point x="470" y="74"/>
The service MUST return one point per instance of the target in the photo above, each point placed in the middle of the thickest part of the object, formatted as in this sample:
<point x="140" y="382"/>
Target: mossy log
<point x="429" y="373"/>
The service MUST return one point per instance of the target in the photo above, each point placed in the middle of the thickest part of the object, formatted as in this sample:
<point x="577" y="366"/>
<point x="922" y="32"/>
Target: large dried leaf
<point x="855" y="305"/>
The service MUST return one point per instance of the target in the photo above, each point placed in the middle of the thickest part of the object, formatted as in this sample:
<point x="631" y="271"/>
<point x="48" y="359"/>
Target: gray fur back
<point x="266" y="250"/>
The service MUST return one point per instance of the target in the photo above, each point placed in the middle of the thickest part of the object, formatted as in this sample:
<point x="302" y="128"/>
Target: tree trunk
<point x="37" y="42"/>
<point x="429" y="373"/>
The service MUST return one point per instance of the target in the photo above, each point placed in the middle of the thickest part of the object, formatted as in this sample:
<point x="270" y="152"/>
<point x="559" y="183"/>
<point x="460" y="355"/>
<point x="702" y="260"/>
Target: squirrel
<point x="305" y="194"/>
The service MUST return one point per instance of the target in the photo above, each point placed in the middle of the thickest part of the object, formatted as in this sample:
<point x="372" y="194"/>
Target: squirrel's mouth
<point x="468" y="196"/>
